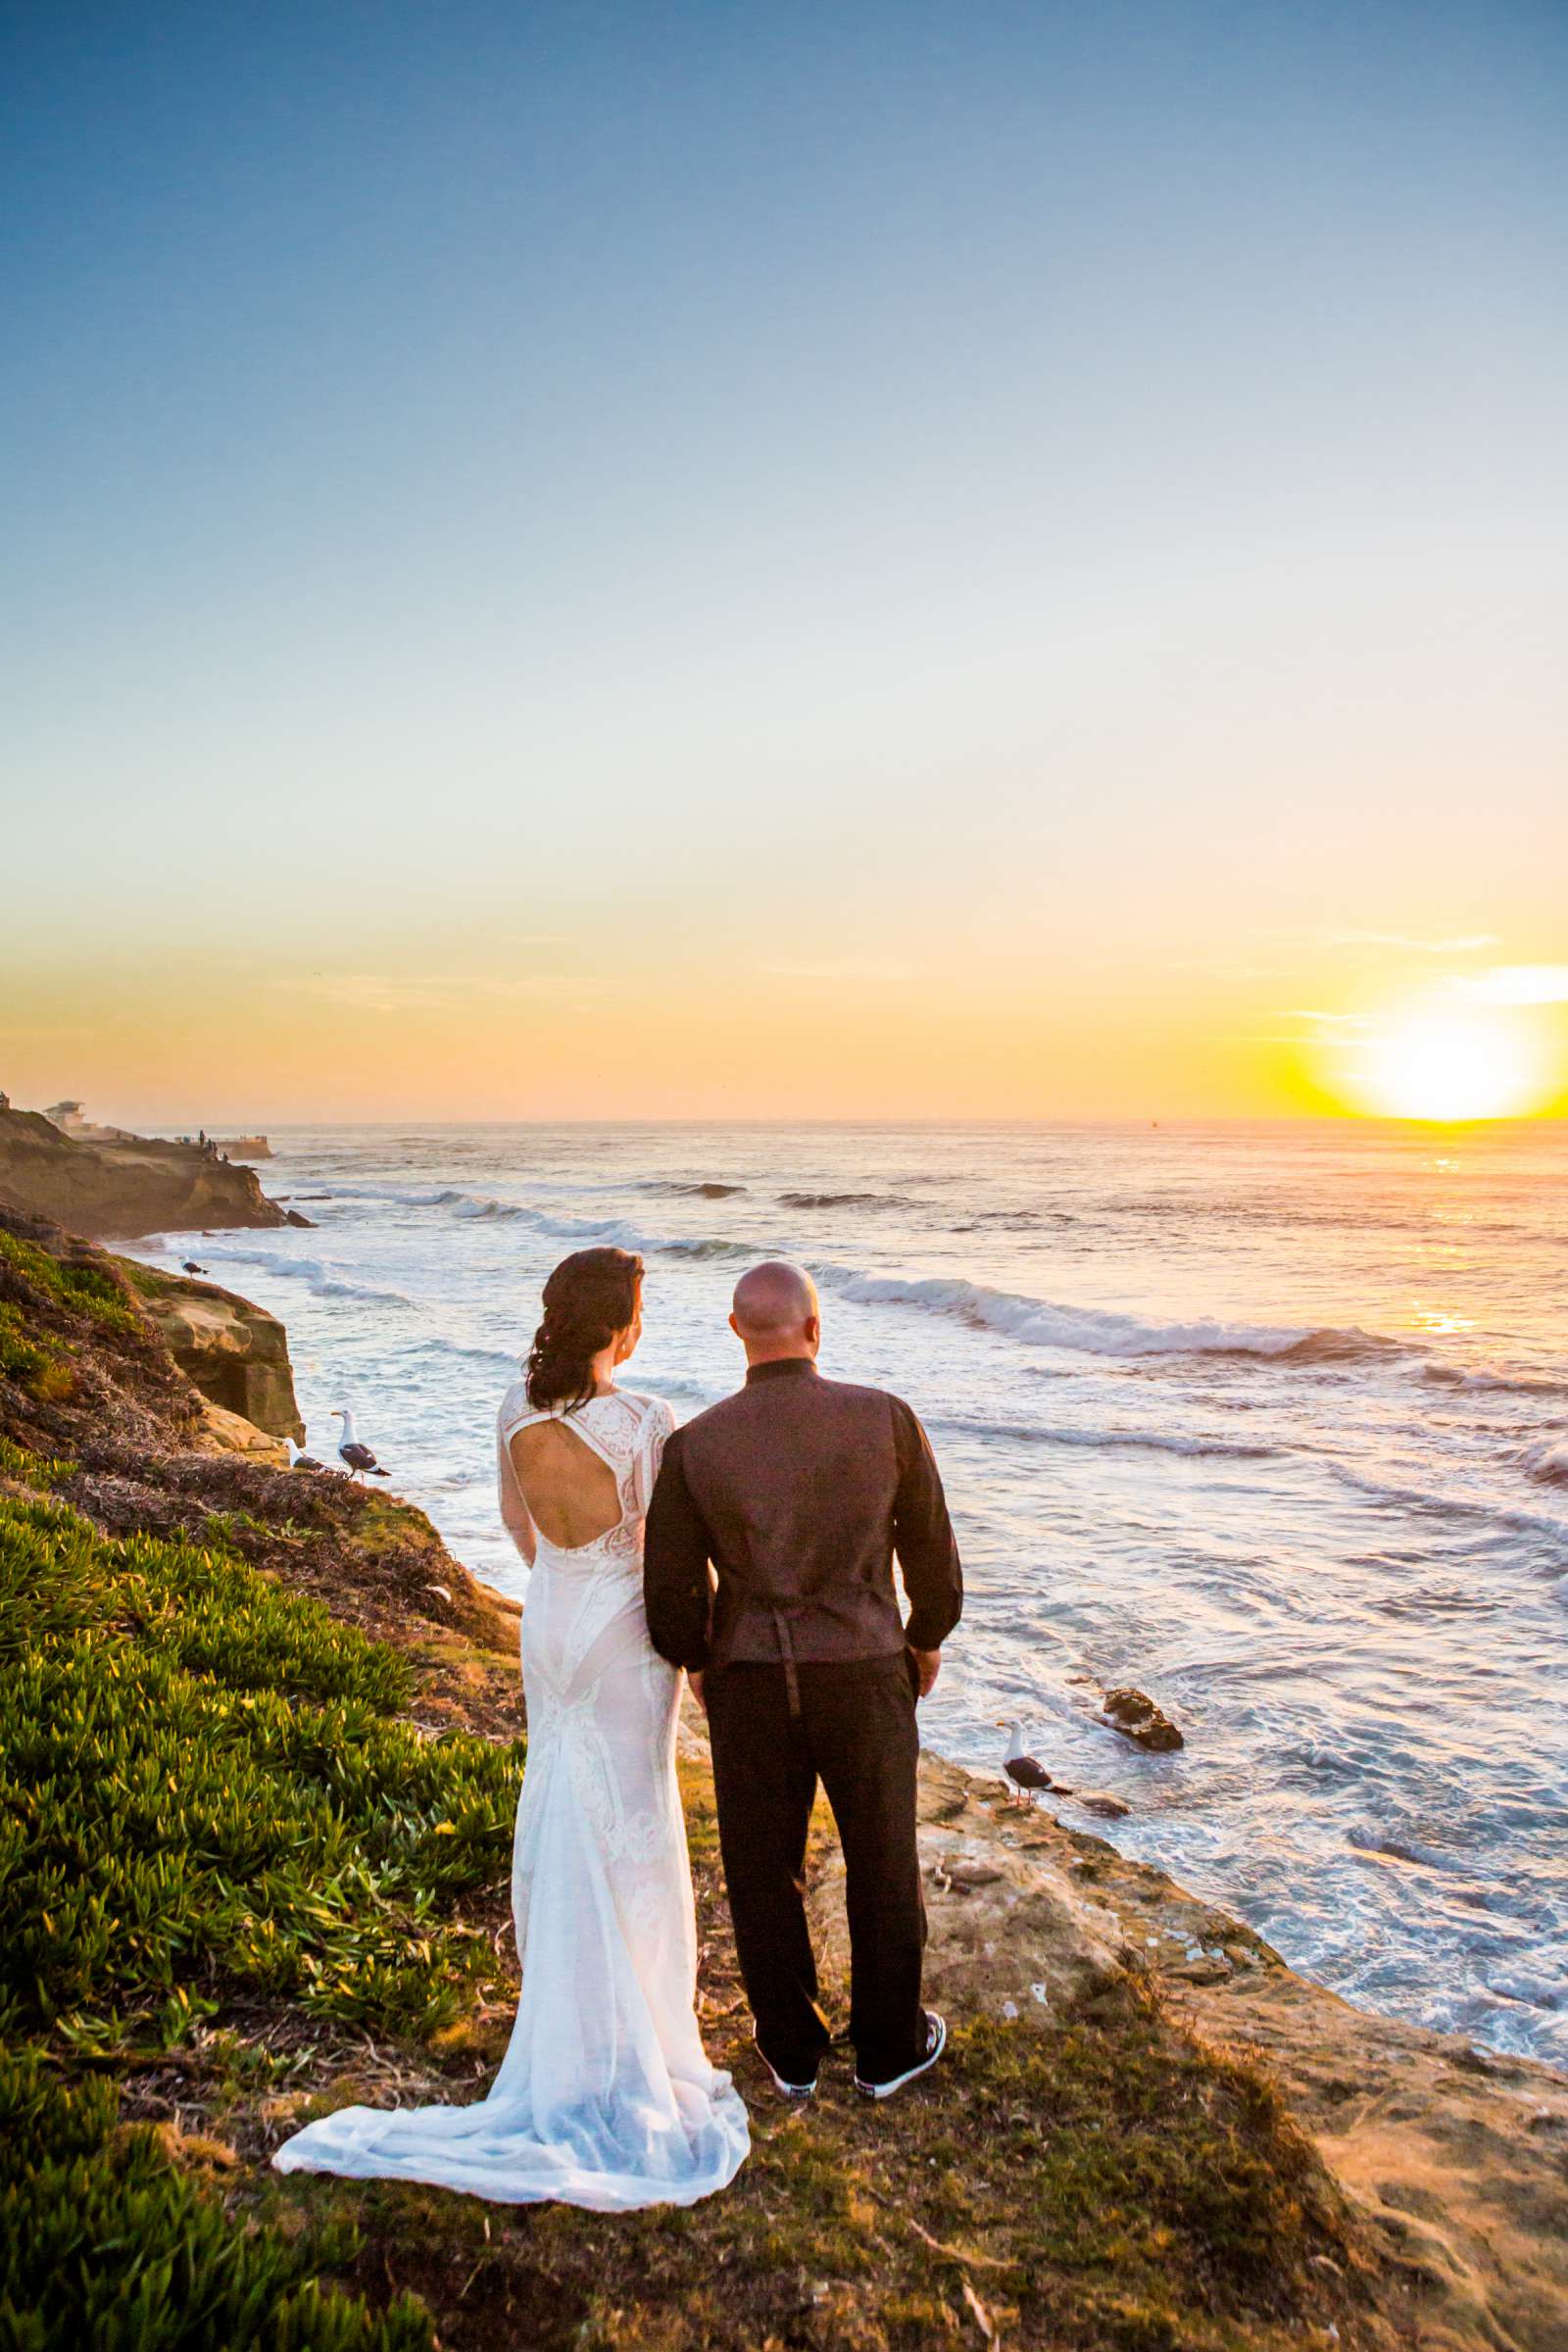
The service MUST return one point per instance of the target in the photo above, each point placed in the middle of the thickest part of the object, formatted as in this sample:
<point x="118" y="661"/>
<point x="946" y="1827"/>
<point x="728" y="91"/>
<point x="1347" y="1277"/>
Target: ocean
<point x="1270" y="1421"/>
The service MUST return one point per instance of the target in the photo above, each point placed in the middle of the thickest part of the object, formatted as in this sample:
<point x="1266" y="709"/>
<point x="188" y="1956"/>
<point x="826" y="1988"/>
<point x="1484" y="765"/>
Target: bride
<point x="604" y="2097"/>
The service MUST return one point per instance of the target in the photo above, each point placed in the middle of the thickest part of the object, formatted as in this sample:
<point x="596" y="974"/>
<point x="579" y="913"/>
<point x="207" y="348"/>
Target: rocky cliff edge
<point x="117" y="1190"/>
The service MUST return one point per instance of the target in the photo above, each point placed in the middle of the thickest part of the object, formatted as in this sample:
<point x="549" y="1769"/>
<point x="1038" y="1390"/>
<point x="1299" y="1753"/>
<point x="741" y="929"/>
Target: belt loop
<point x="792" y="1680"/>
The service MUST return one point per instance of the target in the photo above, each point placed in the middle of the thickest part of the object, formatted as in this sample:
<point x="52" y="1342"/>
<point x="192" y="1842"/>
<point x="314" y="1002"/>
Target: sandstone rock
<point x="223" y="1432"/>
<point x="1134" y="1714"/>
<point x="233" y="1351"/>
<point x="118" y="1187"/>
<point x="1004" y="1925"/>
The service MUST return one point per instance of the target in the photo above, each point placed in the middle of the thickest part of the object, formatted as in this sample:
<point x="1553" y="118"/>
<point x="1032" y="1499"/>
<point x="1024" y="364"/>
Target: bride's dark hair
<point x="590" y="1296"/>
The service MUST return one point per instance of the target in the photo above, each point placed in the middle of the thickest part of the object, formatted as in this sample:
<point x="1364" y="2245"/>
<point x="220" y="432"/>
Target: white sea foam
<point x="1446" y="1502"/>
<point x="1548" y="1462"/>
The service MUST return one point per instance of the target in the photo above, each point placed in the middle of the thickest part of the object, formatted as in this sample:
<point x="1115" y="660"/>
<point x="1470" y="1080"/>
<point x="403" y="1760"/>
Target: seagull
<point x="189" y="1265"/>
<point x="299" y="1460"/>
<point x="1026" y="1773"/>
<point x="361" y="1460"/>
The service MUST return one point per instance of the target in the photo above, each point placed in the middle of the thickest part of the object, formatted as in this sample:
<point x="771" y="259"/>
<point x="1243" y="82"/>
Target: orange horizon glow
<point x="822" y="1039"/>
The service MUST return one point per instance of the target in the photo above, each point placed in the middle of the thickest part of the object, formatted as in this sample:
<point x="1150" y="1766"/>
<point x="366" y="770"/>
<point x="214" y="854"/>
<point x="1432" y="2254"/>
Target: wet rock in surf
<point x="1100" y="1801"/>
<point x="1135" y="1715"/>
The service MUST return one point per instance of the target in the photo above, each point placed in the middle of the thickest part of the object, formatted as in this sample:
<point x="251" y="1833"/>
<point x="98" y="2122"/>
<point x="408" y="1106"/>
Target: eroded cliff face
<point x="89" y="1384"/>
<point x="232" y="1351"/>
<point x="115" y="1190"/>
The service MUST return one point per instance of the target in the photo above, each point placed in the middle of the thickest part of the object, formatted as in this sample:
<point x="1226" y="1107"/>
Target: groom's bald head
<point x="776" y="1312"/>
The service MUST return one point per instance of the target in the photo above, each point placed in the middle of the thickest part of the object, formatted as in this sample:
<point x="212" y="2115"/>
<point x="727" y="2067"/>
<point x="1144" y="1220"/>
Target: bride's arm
<point x="513" y="1510"/>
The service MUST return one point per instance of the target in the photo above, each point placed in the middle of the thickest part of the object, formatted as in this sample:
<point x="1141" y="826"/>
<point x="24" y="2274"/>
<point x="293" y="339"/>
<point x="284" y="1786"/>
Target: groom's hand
<point x="927" y="1666"/>
<point x="695" y="1682"/>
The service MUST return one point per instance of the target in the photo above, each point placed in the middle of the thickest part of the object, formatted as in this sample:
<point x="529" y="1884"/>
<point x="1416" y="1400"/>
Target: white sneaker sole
<point x="786" y="2090"/>
<point x="885" y="2090"/>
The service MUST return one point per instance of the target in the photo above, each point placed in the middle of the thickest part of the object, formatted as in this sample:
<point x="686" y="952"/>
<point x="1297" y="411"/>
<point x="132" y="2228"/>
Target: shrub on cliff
<point x="36" y="1358"/>
<point x="205" y="1791"/>
<point x="203" y="1787"/>
<point x="90" y="1290"/>
<point x="104" y="2242"/>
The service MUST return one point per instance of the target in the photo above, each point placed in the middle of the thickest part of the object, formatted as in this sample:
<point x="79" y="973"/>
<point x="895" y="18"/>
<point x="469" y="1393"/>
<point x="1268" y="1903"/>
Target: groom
<point x="799" y="1491"/>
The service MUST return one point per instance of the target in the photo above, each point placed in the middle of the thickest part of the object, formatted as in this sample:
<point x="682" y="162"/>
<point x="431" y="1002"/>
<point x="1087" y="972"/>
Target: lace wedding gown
<point x="604" y="2097"/>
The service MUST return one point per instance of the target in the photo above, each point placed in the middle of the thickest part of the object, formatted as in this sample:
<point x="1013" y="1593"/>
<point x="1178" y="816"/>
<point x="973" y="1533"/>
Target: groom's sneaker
<point x="936" y="2041"/>
<point x="785" y="2089"/>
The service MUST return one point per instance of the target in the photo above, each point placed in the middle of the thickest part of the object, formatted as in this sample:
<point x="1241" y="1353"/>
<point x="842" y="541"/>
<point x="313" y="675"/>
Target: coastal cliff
<point x="232" y="1351"/>
<point x="117" y="1188"/>
<point x="264" y="1714"/>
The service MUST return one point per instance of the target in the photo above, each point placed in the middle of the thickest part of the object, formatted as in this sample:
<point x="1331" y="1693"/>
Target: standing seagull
<point x="360" y="1460"/>
<point x="1026" y="1773"/>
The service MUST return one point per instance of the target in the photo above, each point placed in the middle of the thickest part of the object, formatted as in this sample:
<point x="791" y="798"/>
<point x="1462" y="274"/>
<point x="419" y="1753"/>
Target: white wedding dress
<point x="604" y="2097"/>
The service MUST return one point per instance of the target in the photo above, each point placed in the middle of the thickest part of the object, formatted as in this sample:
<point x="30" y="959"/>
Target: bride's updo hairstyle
<point x="590" y="1296"/>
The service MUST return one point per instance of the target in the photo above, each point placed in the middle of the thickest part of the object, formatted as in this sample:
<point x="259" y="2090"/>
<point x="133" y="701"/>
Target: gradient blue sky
<point x="636" y="559"/>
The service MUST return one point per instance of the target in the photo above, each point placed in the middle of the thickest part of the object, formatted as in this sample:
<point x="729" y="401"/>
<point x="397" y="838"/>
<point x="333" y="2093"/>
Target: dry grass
<point x="1115" y="2184"/>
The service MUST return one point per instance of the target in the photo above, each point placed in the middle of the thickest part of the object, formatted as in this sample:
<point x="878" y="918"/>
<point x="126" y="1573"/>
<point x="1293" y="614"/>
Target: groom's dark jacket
<point x="799" y="1489"/>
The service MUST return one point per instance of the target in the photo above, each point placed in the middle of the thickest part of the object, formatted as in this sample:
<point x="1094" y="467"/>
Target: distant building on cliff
<point x="72" y="1120"/>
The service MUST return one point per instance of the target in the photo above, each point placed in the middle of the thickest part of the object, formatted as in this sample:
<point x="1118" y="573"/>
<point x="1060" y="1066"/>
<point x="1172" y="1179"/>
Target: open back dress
<point x="604" y="2097"/>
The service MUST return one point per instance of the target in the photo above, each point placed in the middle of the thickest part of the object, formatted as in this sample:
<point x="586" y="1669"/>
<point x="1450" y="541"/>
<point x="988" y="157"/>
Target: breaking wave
<point x="318" y="1275"/>
<point x="842" y="1200"/>
<point x="693" y="1192"/>
<point x="1098" y="1331"/>
<point x="710" y="1246"/>
<point x="1547" y="1464"/>
<point x="1013" y="1220"/>
<point x="1503" y="1384"/>
<point x="1153" y="1441"/>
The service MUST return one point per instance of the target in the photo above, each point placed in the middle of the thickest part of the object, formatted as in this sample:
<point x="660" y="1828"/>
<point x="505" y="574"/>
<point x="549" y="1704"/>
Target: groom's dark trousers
<point x="798" y="1492"/>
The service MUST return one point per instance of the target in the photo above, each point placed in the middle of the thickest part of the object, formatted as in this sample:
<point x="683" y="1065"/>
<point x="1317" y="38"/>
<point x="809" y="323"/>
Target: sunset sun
<point x="1447" y="1066"/>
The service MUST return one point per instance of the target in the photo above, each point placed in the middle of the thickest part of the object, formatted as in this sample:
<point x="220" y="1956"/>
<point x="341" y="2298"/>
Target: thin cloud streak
<point x="445" y="992"/>
<point x="848" y="968"/>
<point x="1517" y="984"/>
<point x="1469" y="944"/>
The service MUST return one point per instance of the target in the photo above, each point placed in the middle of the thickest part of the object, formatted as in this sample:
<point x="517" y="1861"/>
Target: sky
<point x="827" y="561"/>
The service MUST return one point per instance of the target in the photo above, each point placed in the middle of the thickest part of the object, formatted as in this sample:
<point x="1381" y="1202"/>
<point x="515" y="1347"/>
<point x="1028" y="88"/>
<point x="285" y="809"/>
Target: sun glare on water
<point x="1441" y="1066"/>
